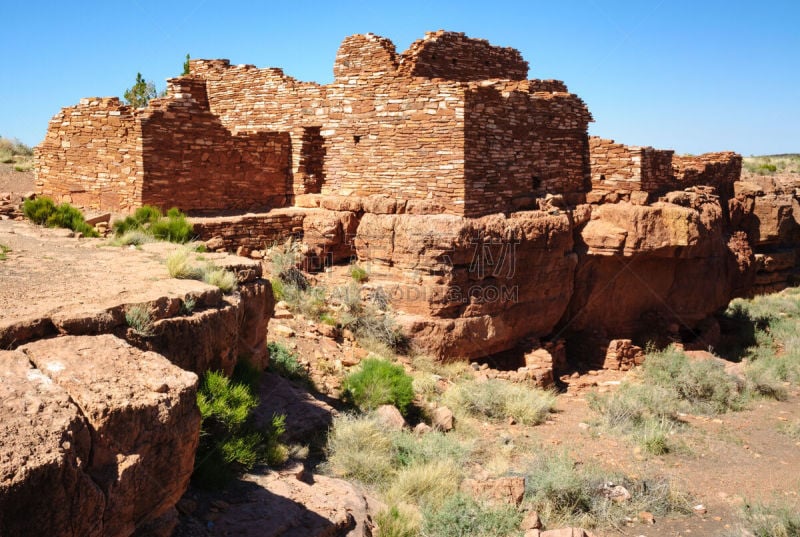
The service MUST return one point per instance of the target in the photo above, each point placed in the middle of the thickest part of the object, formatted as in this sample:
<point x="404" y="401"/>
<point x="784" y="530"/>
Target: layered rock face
<point x="98" y="418"/>
<point x="648" y="267"/>
<point x="103" y="438"/>
<point x="471" y="287"/>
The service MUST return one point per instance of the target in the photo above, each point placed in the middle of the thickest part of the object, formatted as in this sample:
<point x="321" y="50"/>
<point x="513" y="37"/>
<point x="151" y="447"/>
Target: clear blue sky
<point x="694" y="76"/>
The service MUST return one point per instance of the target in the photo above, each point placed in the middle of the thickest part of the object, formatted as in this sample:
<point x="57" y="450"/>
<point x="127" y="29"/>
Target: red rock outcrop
<point x="103" y="438"/>
<point x="644" y="268"/>
<point x="471" y="287"/>
<point x="98" y="433"/>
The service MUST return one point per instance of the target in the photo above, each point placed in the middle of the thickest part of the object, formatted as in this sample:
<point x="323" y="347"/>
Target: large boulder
<point x="103" y="437"/>
<point x="470" y="287"/>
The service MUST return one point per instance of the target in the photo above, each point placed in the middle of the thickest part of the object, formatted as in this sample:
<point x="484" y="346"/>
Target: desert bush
<point x="3" y="251"/>
<point x="174" y="227"/>
<point x="500" y="400"/>
<point x="566" y="493"/>
<point x="770" y="520"/>
<point x="140" y="319"/>
<point x="179" y="265"/>
<point x="308" y="301"/>
<point x="23" y="166"/>
<point x="646" y="412"/>
<point x="13" y="146"/>
<point x="410" y="449"/>
<point x="286" y="364"/>
<point x="69" y="217"/>
<point x="358" y="274"/>
<point x="132" y="238"/>
<point x="400" y="520"/>
<point x="360" y="448"/>
<point x="766" y="378"/>
<point x="703" y="385"/>
<point x="428" y="483"/>
<point x="791" y="429"/>
<point x="229" y="441"/>
<point x="220" y="277"/>
<point x="454" y="371"/>
<point x="378" y="382"/>
<point x="38" y="210"/>
<point x="374" y="328"/>
<point x="462" y="516"/>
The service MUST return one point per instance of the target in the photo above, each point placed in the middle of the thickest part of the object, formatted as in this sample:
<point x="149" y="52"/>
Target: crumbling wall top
<point x="454" y="56"/>
<point x="365" y="54"/>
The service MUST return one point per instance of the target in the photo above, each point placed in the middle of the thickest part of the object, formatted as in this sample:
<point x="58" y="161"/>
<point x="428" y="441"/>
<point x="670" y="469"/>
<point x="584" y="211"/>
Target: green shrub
<point x="500" y="400"/>
<point x="174" y="228"/>
<point x="43" y="211"/>
<point x="358" y="274"/>
<point x="462" y="516"/>
<point x="378" y="382"/>
<point x="229" y="441"/>
<point x="285" y="363"/>
<point x="38" y="210"/>
<point x="140" y="319"/>
<point x="768" y="168"/>
<point x="67" y="216"/>
<point x="3" y="251"/>
<point x="277" y="289"/>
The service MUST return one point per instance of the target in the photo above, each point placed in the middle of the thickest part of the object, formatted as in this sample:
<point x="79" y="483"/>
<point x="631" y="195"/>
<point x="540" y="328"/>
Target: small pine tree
<point x="186" y="65"/>
<point x="140" y="94"/>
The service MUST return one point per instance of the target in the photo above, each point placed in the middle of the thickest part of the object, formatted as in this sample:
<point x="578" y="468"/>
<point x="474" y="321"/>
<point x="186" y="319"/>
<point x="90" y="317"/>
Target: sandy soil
<point x="14" y="181"/>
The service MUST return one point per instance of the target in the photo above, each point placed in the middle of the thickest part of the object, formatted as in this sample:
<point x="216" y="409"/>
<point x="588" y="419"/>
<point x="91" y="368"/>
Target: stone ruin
<point x="476" y="196"/>
<point x="497" y="227"/>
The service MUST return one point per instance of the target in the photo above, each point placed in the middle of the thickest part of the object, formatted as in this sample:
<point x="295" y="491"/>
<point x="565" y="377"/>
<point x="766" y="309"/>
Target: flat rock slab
<point x="45" y="446"/>
<point x="97" y="435"/>
<point x="282" y="503"/>
<point x="55" y="284"/>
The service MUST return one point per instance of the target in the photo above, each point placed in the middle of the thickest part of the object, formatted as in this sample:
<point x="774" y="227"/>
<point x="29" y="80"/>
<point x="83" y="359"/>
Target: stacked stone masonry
<point x="621" y="170"/>
<point x="103" y="155"/>
<point x="452" y="122"/>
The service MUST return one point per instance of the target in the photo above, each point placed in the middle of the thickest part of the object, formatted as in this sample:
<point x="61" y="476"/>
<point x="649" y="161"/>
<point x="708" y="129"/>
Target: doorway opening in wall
<point x="312" y="160"/>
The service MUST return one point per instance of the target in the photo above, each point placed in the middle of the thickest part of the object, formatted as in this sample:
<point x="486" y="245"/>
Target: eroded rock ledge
<point x="99" y="422"/>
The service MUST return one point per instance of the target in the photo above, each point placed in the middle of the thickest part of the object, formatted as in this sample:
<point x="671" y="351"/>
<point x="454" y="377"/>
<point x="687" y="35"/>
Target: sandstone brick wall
<point x="454" y="56"/>
<point x="103" y="155"/>
<point x="623" y="168"/>
<point x="397" y="124"/>
<point x="91" y="156"/>
<point x="374" y="135"/>
<point x="254" y="232"/>
<point x="629" y="168"/>
<point x="521" y="144"/>
<point x="719" y="170"/>
<point x="193" y="162"/>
